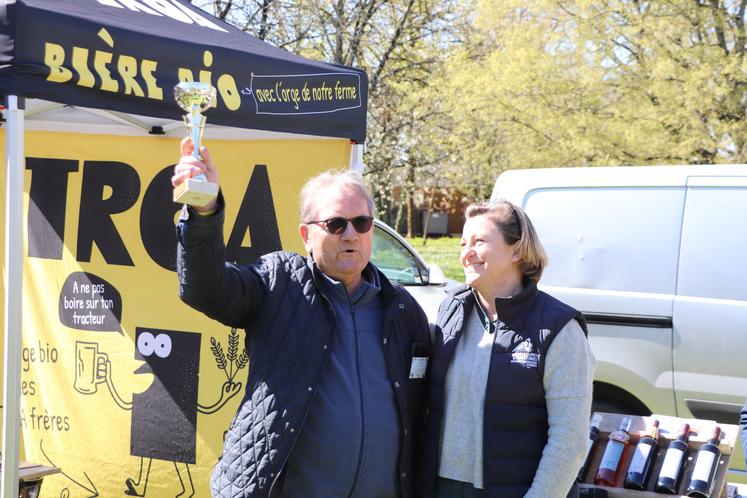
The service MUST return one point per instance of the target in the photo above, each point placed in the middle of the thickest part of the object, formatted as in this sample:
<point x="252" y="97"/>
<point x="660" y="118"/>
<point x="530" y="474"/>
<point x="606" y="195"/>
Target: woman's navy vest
<point x="515" y="421"/>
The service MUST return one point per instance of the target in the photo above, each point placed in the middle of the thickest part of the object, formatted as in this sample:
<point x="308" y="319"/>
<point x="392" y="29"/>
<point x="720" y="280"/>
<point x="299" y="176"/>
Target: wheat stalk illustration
<point x="231" y="362"/>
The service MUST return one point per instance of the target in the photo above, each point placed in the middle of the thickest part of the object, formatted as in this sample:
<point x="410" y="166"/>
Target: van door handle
<point x="721" y="412"/>
<point x="649" y="321"/>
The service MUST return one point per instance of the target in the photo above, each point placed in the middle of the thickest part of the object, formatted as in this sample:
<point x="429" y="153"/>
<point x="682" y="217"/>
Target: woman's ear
<point x="516" y="258"/>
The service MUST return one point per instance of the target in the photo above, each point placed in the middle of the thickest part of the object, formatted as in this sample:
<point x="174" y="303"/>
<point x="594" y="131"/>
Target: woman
<point x="510" y="390"/>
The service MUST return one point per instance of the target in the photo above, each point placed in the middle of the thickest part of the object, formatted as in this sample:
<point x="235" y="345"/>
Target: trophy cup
<point x="195" y="98"/>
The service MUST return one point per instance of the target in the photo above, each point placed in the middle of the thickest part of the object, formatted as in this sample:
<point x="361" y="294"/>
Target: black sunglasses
<point x="338" y="224"/>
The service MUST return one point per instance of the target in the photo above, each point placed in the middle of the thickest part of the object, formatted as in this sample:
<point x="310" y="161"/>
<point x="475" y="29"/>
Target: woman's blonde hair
<point x="515" y="226"/>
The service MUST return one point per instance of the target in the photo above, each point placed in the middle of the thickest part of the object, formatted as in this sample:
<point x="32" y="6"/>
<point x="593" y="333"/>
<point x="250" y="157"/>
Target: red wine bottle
<point x="616" y="443"/>
<point x="643" y="458"/>
<point x="706" y="463"/>
<point x="596" y="420"/>
<point x="674" y="461"/>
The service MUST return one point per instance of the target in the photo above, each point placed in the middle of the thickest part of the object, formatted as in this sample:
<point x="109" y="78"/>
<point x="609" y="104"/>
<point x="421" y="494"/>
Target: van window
<point x="714" y="244"/>
<point x="623" y="239"/>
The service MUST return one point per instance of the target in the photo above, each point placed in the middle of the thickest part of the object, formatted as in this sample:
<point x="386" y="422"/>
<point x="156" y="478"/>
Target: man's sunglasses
<point x="338" y="224"/>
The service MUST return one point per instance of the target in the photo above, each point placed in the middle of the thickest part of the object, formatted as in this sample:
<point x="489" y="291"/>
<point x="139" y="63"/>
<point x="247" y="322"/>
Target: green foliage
<point x="461" y="90"/>
<point x="443" y="251"/>
<point x="596" y="82"/>
<point x="400" y="44"/>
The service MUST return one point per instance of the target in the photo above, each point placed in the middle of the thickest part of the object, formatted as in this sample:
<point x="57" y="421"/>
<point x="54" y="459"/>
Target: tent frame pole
<point x="356" y="157"/>
<point x="13" y="290"/>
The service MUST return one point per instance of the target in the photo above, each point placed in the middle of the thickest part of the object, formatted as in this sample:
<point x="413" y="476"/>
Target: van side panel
<point x="698" y="326"/>
<point x="589" y="232"/>
<point x="625" y="283"/>
<point x="710" y="309"/>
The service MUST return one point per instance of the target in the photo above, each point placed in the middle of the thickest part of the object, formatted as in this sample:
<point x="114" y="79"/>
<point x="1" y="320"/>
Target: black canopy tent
<point x="128" y="56"/>
<point x="125" y="56"/>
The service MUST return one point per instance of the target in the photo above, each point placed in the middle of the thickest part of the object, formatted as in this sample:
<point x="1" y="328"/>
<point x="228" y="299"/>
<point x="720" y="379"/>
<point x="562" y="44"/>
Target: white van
<point x="401" y="263"/>
<point x="656" y="260"/>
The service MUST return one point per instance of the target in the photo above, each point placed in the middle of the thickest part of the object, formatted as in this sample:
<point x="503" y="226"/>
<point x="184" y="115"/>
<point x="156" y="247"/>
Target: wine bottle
<point x="596" y="421"/>
<point x="706" y="463"/>
<point x="616" y="442"/>
<point x="674" y="461"/>
<point x="643" y="458"/>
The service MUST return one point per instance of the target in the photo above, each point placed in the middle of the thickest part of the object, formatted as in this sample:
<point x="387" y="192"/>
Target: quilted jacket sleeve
<point x="228" y="293"/>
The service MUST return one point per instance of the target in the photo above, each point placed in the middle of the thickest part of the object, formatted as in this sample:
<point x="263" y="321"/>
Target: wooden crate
<point x="700" y="431"/>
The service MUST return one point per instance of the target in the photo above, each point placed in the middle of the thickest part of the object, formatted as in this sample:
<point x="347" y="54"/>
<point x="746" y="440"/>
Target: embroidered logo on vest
<point x="524" y="355"/>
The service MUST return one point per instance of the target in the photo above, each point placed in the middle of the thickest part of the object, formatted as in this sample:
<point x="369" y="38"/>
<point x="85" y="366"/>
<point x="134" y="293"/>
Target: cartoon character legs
<point x="188" y="488"/>
<point x="133" y="487"/>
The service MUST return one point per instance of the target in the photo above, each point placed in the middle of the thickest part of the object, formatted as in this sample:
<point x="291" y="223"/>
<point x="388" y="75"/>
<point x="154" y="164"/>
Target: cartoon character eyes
<point x="163" y="345"/>
<point x="146" y="343"/>
<point x="160" y="344"/>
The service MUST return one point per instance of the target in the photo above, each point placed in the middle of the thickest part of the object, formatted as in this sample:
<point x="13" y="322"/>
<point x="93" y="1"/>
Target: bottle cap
<point x="625" y="424"/>
<point x="684" y="430"/>
<point x="596" y="421"/>
<point x="716" y="434"/>
<point x="654" y="430"/>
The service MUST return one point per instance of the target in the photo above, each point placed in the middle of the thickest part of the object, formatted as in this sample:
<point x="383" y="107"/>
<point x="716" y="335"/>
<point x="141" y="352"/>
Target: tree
<point x="593" y="82"/>
<point x="399" y="43"/>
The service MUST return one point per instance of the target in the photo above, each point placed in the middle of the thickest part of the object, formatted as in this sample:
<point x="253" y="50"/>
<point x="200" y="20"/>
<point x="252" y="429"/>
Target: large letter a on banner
<point x="257" y="214"/>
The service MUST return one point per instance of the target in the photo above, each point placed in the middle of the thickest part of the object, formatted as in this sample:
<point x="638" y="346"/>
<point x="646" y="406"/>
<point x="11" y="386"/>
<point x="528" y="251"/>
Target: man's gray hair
<point x="332" y="178"/>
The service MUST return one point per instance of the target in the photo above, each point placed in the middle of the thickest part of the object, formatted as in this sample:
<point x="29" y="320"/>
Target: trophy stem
<point x="195" y="124"/>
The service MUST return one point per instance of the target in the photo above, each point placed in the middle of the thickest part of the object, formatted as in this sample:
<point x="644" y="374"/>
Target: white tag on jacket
<point x="418" y="367"/>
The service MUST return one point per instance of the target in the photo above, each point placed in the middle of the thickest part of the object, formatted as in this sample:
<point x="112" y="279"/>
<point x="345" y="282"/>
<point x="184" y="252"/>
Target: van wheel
<point x="616" y="406"/>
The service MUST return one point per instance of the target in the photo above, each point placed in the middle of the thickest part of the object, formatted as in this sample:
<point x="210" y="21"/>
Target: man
<point x="337" y="352"/>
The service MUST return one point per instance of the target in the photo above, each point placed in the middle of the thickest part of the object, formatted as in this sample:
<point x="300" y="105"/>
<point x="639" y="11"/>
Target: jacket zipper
<point x="387" y="321"/>
<point x="362" y="397"/>
<point x="313" y="394"/>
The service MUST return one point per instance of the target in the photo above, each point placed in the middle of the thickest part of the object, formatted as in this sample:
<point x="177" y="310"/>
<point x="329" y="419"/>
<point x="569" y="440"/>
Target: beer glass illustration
<point x="90" y="367"/>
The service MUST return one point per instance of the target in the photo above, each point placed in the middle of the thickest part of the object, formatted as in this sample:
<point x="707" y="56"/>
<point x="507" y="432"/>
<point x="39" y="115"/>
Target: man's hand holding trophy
<point x="195" y="178"/>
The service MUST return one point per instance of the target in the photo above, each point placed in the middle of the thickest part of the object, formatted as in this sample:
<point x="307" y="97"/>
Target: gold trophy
<point x="195" y="98"/>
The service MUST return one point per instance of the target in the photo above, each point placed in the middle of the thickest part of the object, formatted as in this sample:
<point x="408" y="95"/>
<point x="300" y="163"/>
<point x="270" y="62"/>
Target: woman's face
<point x="489" y="263"/>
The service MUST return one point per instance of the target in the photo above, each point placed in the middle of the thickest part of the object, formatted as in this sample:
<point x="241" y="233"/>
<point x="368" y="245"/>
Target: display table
<point x="30" y="477"/>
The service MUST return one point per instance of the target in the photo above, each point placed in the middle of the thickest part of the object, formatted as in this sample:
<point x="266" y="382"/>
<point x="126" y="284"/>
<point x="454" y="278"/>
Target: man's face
<point x="341" y="257"/>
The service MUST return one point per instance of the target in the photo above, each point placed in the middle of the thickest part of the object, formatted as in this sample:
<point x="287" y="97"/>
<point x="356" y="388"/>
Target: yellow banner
<point x="125" y="388"/>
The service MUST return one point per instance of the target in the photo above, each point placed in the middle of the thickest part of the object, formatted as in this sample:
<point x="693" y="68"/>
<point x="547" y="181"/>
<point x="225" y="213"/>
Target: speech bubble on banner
<point x="300" y="94"/>
<point x="88" y="302"/>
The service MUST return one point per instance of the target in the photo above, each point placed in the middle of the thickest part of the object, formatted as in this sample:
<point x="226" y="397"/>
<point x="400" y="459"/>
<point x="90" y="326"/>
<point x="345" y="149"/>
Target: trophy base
<point x="195" y="192"/>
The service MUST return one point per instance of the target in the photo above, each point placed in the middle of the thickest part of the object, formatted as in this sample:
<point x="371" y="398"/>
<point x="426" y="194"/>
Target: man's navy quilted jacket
<point x="289" y="328"/>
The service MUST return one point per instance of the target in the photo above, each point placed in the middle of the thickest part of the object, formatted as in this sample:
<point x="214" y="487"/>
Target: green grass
<point x="443" y="251"/>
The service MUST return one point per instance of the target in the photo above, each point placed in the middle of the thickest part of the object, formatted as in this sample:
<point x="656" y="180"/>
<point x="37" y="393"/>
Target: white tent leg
<point x="13" y="289"/>
<point x="356" y="157"/>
